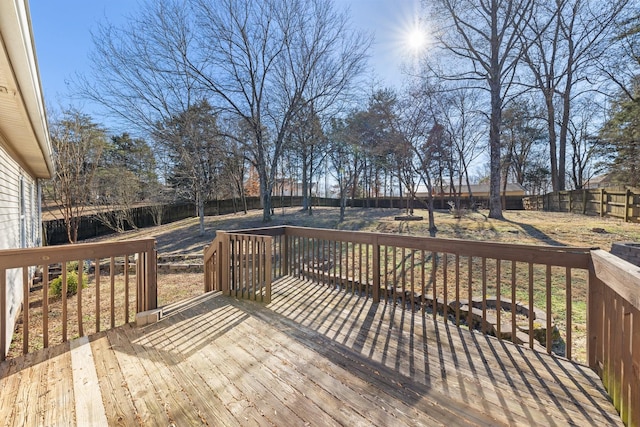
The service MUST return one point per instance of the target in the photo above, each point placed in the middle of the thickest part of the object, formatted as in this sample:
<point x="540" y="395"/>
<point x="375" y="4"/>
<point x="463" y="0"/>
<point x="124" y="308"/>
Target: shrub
<point x="55" y="287"/>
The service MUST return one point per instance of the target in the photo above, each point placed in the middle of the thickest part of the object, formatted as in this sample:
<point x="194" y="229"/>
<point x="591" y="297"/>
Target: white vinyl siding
<point x="19" y="225"/>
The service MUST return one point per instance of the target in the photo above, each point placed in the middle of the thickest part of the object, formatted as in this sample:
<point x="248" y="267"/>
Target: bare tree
<point x="193" y="143"/>
<point x="482" y="35"/>
<point x="566" y="41"/>
<point x="522" y="131"/>
<point x="78" y="144"/>
<point x="457" y="111"/>
<point x="263" y="61"/>
<point x="308" y="145"/>
<point x="342" y="154"/>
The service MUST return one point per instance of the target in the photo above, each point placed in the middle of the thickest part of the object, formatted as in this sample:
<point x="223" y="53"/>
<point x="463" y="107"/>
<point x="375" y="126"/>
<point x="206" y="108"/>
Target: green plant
<point x="72" y="266"/>
<point x="55" y="287"/>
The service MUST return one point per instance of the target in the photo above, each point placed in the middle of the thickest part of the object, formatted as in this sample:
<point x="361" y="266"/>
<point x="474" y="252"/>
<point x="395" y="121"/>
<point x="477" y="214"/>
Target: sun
<point x="416" y="39"/>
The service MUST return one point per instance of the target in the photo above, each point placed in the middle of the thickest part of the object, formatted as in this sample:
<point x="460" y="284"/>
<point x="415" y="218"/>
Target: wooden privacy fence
<point x="617" y="203"/>
<point x="96" y="268"/>
<point x="55" y="231"/>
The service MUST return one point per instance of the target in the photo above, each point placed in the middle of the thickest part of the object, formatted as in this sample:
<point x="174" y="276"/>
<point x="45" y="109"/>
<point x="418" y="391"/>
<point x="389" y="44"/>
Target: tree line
<point x="233" y="97"/>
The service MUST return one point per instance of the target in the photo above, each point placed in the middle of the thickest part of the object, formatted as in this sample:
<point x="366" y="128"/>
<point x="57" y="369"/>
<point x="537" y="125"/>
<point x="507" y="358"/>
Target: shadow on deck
<point x="313" y="356"/>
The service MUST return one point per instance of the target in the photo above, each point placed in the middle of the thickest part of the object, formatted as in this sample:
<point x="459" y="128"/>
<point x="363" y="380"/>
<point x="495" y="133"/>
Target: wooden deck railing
<point x="239" y="264"/>
<point x="614" y="331"/>
<point x="135" y="259"/>
<point x="537" y="296"/>
<point x="468" y="282"/>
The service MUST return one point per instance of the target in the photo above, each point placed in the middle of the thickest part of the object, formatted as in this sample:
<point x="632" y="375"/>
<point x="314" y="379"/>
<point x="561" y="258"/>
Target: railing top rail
<point x="211" y="248"/>
<point x="13" y="258"/>
<point x="619" y="275"/>
<point x="277" y="230"/>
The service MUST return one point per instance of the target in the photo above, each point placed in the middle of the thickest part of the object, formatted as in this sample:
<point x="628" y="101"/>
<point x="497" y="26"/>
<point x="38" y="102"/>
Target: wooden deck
<point x="314" y="356"/>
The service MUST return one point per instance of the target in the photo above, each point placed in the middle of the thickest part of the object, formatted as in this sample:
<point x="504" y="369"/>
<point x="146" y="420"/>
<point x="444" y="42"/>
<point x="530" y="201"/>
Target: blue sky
<point x="63" y="41"/>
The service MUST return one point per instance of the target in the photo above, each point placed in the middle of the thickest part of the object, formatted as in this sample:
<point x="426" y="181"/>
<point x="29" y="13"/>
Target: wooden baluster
<point x="335" y="260"/>
<point x="266" y="297"/>
<point x="326" y="256"/>
<point x="386" y="273"/>
<point x="79" y="289"/>
<point x="97" y="278"/>
<point x="531" y="305"/>
<point x="112" y="290"/>
<point x="376" y="271"/>
<point x="458" y="289"/>
<point x="498" y="306"/>
<point x="404" y="279"/>
<point x="394" y="285"/>
<point x="445" y="290"/>
<point x="470" y="291"/>
<point x="549" y="313"/>
<point x="361" y="269"/>
<point x="126" y="288"/>
<point x="513" y="301"/>
<point x="341" y="263"/>
<point x="413" y="289"/>
<point x="256" y="262"/>
<point x="434" y="267"/>
<point x="367" y="280"/>
<point x="423" y="284"/>
<point x="346" y="266"/>
<point x="64" y="301"/>
<point x="484" y="295"/>
<point x="568" y="301"/>
<point x="244" y="248"/>
<point x="45" y="305"/>
<point x="25" y="310"/>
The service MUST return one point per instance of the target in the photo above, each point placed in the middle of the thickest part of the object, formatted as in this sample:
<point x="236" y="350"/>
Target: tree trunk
<point x="553" y="147"/>
<point x="343" y="203"/>
<point x="201" y="214"/>
<point x="305" y="190"/>
<point x="495" y="204"/>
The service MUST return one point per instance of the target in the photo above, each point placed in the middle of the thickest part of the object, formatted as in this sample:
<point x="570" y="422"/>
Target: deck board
<point x="314" y="356"/>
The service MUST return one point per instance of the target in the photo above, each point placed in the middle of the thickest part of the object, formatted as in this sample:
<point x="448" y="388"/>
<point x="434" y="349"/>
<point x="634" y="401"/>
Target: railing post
<point x="267" y="269"/>
<point x="151" y="277"/>
<point x="140" y="285"/>
<point x="207" y="272"/>
<point x="594" y="318"/>
<point x="224" y="264"/>
<point x="601" y="202"/>
<point x="376" y="270"/>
